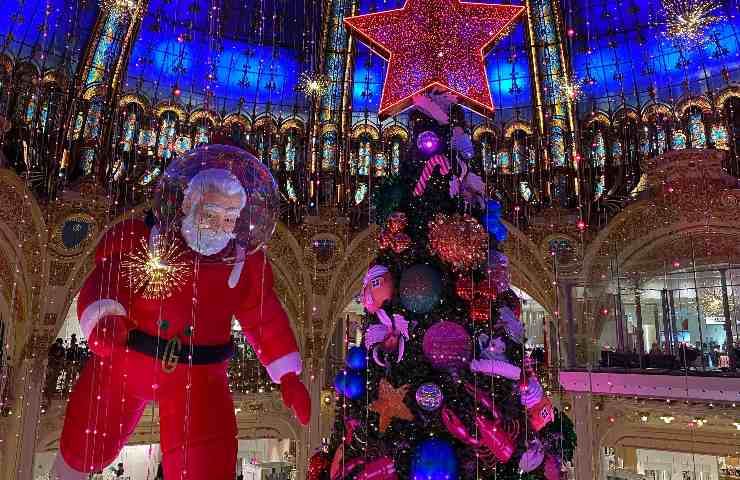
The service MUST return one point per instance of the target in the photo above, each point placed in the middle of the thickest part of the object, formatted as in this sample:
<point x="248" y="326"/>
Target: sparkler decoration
<point x="158" y="271"/>
<point x="570" y="90"/>
<point x="313" y="85"/>
<point x="688" y="20"/>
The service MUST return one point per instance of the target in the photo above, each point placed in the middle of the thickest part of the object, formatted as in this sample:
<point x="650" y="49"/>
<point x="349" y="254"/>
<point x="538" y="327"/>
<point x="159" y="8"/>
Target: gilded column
<point x="88" y="125"/>
<point x="333" y="114"/>
<point x="554" y="103"/>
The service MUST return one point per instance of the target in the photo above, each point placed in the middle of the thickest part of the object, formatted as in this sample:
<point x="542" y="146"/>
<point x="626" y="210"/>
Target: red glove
<point x="109" y="333"/>
<point x="296" y="397"/>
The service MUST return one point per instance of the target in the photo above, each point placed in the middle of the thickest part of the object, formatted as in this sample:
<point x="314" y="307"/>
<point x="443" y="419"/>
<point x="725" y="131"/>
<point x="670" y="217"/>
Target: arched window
<point x="293" y="144"/>
<point x="364" y="155"/>
<point x="598" y="149"/>
<point x="395" y="154"/>
<point x="697" y="131"/>
<point x="167" y="135"/>
<point x="329" y="151"/>
<point x="488" y="152"/>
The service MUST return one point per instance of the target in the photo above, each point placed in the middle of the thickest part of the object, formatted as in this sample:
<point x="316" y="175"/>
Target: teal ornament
<point x="421" y="287"/>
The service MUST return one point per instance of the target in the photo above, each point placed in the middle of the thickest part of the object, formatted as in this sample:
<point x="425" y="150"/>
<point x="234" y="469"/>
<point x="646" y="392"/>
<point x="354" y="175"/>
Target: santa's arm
<point x="105" y="293"/>
<point x="264" y="321"/>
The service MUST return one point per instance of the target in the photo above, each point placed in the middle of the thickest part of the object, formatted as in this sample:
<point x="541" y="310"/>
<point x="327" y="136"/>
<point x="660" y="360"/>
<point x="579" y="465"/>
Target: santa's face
<point x="209" y="224"/>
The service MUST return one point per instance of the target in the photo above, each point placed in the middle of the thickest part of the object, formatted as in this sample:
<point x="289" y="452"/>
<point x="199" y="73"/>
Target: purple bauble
<point x="447" y="346"/>
<point x="429" y="396"/>
<point x="427" y="142"/>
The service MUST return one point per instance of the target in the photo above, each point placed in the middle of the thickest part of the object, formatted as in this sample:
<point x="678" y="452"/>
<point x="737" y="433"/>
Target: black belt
<point x="173" y="351"/>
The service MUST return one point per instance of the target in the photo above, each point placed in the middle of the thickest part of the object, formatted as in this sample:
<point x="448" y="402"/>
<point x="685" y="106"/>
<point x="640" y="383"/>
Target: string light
<point x="313" y="85"/>
<point x="688" y="20"/>
<point x="157" y="271"/>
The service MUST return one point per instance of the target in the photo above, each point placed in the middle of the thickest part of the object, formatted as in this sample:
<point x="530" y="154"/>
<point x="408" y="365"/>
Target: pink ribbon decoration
<point x="438" y="160"/>
<point x="387" y="333"/>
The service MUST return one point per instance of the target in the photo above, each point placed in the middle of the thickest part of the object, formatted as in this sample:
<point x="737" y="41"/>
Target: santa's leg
<point x="198" y="431"/>
<point x="99" y="420"/>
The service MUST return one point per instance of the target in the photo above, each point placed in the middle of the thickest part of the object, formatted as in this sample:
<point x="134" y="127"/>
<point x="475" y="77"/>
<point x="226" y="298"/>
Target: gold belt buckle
<point x="171" y="356"/>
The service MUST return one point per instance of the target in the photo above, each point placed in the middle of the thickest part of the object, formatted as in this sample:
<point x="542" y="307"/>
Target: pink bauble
<point x="447" y="346"/>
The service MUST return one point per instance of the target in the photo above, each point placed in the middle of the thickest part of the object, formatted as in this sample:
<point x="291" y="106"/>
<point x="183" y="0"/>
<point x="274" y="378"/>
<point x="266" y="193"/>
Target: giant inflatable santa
<point x="157" y="310"/>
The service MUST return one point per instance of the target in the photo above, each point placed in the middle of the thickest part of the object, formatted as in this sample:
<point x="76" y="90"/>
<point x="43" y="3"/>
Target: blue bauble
<point x="434" y="459"/>
<point x="499" y="232"/>
<point x="357" y="358"/>
<point x="340" y="382"/>
<point x="355" y="386"/>
<point x="350" y="384"/>
<point x="421" y="288"/>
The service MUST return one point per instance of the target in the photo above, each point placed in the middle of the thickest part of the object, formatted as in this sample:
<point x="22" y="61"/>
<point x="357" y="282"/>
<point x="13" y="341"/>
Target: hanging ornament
<point x="380" y="469"/>
<point x="687" y="21"/>
<point x="388" y="336"/>
<point x="377" y="288"/>
<point x="435" y="44"/>
<point x="434" y="459"/>
<point x="465" y="288"/>
<point x="533" y="457"/>
<point x="468" y="185"/>
<point x="420" y="288"/>
<point x="538" y="405"/>
<point x="428" y="142"/>
<point x="349" y="384"/>
<point x="318" y="464"/>
<point x="429" y="167"/>
<point x="495" y="441"/>
<point x="509" y="323"/>
<point x="313" y="85"/>
<point x="492" y="221"/>
<point x="340" y="467"/>
<point x="397" y="222"/>
<point x="357" y="358"/>
<point x="389" y="404"/>
<point x="393" y="236"/>
<point x="552" y="468"/>
<point x="159" y="270"/>
<point x="480" y="310"/>
<point x="458" y="240"/>
<point x="493" y="359"/>
<point x="447" y="346"/>
<point x="429" y="396"/>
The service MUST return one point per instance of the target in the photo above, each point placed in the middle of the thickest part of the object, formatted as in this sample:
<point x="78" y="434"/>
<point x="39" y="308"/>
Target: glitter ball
<point x="429" y="396"/>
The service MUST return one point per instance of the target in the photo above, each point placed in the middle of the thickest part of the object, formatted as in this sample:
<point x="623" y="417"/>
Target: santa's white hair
<point x="215" y="180"/>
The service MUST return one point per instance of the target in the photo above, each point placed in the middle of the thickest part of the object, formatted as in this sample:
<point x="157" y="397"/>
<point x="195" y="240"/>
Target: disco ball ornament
<point x="429" y="396"/>
<point x="233" y="181"/>
<point x="357" y="358"/>
<point x="447" y="346"/>
<point x="428" y="142"/>
<point x="421" y="287"/>
<point x="434" y="459"/>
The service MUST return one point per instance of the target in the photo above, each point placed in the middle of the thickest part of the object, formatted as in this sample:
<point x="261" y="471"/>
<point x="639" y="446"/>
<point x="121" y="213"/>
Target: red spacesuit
<point x="173" y="351"/>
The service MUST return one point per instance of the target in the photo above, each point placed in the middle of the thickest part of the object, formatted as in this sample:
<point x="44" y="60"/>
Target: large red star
<point x="435" y="44"/>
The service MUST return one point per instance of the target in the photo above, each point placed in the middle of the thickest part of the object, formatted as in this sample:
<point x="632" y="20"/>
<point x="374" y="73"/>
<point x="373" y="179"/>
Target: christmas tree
<point x="442" y="387"/>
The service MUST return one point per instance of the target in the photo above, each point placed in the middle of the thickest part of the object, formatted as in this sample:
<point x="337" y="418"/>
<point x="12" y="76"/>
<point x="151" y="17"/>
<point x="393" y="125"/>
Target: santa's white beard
<point x="203" y="240"/>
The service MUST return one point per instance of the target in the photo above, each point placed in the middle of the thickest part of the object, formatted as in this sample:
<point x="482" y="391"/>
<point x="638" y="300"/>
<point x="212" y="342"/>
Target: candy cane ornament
<point x="438" y="160"/>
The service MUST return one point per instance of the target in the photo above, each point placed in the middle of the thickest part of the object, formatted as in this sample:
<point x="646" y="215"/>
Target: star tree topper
<point x="435" y="45"/>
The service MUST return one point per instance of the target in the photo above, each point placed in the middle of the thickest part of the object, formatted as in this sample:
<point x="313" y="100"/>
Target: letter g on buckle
<point x="171" y="356"/>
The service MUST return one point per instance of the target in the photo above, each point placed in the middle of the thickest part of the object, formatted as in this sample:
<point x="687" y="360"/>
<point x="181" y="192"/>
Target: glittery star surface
<point x="389" y="404"/>
<point x="435" y="44"/>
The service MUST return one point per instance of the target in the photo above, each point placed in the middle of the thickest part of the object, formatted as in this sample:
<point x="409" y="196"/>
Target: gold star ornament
<point x="389" y="404"/>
